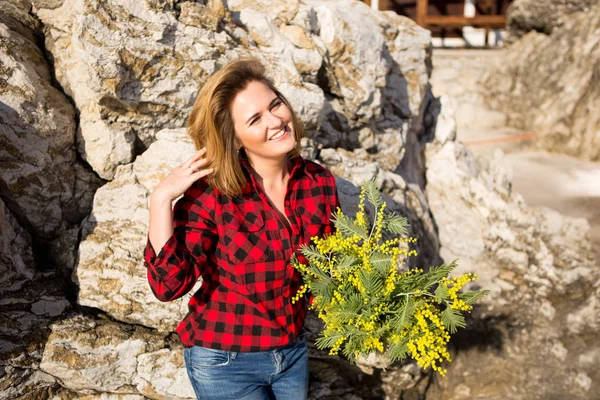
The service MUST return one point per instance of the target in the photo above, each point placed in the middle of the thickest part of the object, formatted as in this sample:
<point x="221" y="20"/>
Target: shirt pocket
<point x="316" y="221"/>
<point x="246" y="240"/>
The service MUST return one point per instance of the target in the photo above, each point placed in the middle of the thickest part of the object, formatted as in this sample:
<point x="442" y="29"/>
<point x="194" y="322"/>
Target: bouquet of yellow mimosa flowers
<point x="368" y="303"/>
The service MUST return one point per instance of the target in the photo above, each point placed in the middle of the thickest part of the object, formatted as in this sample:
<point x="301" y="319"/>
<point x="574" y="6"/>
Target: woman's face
<point x="263" y="123"/>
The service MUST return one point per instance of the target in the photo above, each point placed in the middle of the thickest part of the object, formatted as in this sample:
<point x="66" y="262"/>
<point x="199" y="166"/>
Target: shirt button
<point x="287" y="202"/>
<point x="286" y="293"/>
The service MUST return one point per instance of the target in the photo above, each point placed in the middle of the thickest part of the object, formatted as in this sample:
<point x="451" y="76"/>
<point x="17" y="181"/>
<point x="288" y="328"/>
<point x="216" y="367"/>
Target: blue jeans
<point x="280" y="374"/>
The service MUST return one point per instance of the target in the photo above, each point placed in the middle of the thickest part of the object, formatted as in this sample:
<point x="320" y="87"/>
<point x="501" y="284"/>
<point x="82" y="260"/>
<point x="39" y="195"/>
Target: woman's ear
<point x="237" y="144"/>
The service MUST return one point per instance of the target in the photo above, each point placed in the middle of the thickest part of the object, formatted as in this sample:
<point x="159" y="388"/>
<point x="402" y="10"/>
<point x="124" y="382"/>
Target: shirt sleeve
<point x="180" y="262"/>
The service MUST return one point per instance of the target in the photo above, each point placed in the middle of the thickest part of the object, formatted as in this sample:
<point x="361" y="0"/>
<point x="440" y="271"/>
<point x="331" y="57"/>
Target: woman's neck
<point x="271" y="173"/>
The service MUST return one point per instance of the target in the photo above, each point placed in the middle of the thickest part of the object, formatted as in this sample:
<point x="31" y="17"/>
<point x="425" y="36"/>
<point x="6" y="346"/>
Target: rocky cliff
<point x="549" y="79"/>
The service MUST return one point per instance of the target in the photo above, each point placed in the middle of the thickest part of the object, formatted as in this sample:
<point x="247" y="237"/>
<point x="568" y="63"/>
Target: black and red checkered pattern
<point x="241" y="248"/>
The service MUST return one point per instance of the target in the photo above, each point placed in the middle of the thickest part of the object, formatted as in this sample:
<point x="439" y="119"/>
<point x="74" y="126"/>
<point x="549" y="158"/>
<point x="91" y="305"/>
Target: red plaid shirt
<point x="242" y="249"/>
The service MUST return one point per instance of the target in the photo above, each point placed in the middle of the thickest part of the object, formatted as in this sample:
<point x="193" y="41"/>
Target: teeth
<point x="277" y="136"/>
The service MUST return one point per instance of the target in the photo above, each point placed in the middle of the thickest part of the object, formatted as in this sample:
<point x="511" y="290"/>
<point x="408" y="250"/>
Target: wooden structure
<point x="446" y="18"/>
<point x="484" y="21"/>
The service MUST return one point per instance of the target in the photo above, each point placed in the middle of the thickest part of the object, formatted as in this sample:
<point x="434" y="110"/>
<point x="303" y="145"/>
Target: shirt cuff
<point x="150" y="257"/>
<point x="150" y="254"/>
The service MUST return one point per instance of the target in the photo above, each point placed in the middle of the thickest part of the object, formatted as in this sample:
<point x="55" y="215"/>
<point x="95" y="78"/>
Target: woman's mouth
<point x="281" y="135"/>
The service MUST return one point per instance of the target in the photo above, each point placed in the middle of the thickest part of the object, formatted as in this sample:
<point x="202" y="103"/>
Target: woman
<point x="249" y="201"/>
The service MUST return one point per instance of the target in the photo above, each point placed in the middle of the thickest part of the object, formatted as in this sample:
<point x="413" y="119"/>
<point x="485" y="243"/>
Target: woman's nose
<point x="273" y="121"/>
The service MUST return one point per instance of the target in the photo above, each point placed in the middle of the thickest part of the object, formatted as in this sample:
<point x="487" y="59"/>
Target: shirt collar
<point x="298" y="166"/>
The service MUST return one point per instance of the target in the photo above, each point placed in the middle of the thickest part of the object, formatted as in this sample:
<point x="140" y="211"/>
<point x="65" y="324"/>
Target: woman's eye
<point x="254" y="120"/>
<point x="277" y="103"/>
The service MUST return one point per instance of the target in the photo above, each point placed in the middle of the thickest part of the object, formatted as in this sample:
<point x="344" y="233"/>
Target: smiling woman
<point x="269" y="132"/>
<point x="249" y="202"/>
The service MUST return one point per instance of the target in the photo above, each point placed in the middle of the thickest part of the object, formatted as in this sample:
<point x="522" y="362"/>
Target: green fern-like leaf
<point x="347" y="261"/>
<point x="327" y="342"/>
<point x="354" y="301"/>
<point x="381" y="261"/>
<point x="403" y="315"/>
<point x="472" y="297"/>
<point x="353" y="344"/>
<point x="294" y="259"/>
<point x="355" y="339"/>
<point x="323" y="287"/>
<point x="372" y="282"/>
<point x="453" y="319"/>
<point x="349" y="309"/>
<point x="343" y="314"/>
<point x="395" y="224"/>
<point x="373" y="194"/>
<point x="441" y="293"/>
<point x="348" y="227"/>
<point x="311" y="253"/>
<point x="435" y="274"/>
<point x="398" y="351"/>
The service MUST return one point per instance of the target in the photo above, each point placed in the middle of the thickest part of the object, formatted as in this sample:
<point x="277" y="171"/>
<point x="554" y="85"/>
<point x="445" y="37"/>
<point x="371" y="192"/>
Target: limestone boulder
<point x="16" y="14"/>
<point x="37" y="127"/>
<point x="542" y="15"/>
<point x="535" y="328"/>
<point x="92" y="356"/>
<point x="550" y="84"/>
<point x="107" y="58"/>
<point x="284" y="35"/>
<point x="29" y="301"/>
<point x="17" y="264"/>
<point x="131" y="69"/>
<point x="341" y="63"/>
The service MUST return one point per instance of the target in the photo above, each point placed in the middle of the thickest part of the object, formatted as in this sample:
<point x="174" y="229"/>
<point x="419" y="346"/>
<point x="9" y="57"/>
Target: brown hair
<point x="210" y="123"/>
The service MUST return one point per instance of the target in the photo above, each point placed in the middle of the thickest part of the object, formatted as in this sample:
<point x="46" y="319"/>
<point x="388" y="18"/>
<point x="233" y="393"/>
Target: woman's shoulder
<point x="201" y="193"/>
<point x="317" y="170"/>
<point x="201" y="187"/>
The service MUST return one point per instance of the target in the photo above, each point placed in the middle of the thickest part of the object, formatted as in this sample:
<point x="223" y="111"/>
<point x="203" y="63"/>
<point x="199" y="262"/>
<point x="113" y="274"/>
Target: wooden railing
<point x="454" y="21"/>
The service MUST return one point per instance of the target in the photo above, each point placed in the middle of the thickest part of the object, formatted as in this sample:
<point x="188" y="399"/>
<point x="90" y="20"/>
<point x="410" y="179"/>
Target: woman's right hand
<point x="173" y="186"/>
<point x="182" y="177"/>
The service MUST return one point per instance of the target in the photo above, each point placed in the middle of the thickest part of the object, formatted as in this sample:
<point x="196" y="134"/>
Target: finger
<point x="196" y="165"/>
<point x="194" y="157"/>
<point x="202" y="173"/>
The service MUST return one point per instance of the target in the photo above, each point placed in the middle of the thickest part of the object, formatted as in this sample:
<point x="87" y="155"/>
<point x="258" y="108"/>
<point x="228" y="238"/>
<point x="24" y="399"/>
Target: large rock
<point x="95" y="356"/>
<point x="16" y="14"/>
<point x="17" y="264"/>
<point x="40" y="173"/>
<point x="542" y="15"/>
<point x="328" y="57"/>
<point x="29" y="301"/>
<point x="131" y="69"/>
<point x="534" y="335"/>
<point x="550" y="84"/>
